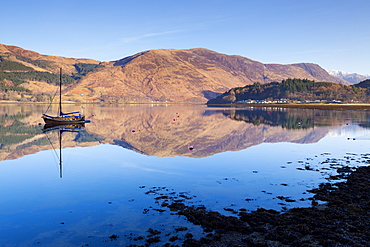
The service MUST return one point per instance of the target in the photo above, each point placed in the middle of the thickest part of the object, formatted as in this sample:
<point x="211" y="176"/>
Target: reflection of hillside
<point x="40" y="142"/>
<point x="294" y="118"/>
<point x="169" y="131"/>
<point x="21" y="134"/>
<point x="283" y="118"/>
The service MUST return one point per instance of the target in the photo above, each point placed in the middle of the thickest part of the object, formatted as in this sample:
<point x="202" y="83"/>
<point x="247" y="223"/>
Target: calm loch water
<point x="118" y="171"/>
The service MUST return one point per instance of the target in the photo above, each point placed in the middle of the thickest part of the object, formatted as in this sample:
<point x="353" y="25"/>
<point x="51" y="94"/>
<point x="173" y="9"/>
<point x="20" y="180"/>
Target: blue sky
<point x="332" y="33"/>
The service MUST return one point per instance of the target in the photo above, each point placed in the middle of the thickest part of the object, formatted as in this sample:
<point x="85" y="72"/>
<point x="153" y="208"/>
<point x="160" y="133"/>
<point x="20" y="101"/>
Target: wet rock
<point x="179" y="229"/>
<point x="344" y="221"/>
<point x="153" y="232"/>
<point x="174" y="238"/>
<point x="153" y="240"/>
<point x="113" y="237"/>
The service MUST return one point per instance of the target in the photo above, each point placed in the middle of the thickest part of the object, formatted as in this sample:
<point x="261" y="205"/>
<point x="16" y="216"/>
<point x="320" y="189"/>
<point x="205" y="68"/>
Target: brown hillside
<point x="161" y="75"/>
<point x="320" y="74"/>
<point x="57" y="62"/>
<point x="193" y="75"/>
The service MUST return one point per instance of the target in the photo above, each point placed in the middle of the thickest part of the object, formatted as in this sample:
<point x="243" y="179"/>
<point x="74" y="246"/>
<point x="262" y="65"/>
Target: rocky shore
<point x="343" y="221"/>
<point x="339" y="216"/>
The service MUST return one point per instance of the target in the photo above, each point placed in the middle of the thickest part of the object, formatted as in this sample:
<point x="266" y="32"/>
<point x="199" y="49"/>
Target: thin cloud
<point x="148" y="35"/>
<point x="321" y="51"/>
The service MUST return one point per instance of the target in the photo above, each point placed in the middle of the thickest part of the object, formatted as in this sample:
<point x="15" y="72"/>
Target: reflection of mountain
<point x="283" y="118"/>
<point x="21" y="134"/>
<point x="294" y="118"/>
<point x="169" y="131"/>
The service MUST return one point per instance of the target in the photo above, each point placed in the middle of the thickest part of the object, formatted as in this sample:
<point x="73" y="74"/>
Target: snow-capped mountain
<point x="350" y="77"/>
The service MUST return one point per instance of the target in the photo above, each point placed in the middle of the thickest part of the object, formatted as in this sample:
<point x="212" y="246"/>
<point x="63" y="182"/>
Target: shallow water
<point x="118" y="170"/>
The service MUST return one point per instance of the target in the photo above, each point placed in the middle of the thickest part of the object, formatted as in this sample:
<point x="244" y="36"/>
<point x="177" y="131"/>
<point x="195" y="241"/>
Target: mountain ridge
<point x="163" y="75"/>
<point x="353" y="78"/>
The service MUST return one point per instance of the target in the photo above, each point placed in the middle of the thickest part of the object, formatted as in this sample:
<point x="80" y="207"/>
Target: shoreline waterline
<point x="318" y="106"/>
<point x="341" y="107"/>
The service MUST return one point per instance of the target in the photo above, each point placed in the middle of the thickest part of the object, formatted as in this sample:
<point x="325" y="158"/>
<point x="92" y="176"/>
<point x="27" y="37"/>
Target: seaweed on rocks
<point x="343" y="221"/>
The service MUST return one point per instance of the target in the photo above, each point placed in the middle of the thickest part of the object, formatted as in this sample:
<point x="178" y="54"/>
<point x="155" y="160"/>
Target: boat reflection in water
<point x="61" y="129"/>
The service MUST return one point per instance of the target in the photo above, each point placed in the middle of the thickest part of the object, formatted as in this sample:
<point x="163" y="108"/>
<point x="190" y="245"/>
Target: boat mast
<point x="60" y="155"/>
<point x="60" y="93"/>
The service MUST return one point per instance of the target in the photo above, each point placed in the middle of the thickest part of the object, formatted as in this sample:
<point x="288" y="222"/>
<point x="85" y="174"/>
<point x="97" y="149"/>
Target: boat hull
<point x="64" y="120"/>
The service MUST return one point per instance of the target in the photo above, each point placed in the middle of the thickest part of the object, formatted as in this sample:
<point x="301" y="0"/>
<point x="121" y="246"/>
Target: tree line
<point x="17" y="78"/>
<point x="297" y="89"/>
<point x="39" y="63"/>
<point x="7" y="65"/>
<point x="18" y="73"/>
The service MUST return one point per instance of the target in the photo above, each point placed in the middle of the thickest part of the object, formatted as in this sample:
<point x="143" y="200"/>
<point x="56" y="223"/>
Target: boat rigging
<point x="64" y="118"/>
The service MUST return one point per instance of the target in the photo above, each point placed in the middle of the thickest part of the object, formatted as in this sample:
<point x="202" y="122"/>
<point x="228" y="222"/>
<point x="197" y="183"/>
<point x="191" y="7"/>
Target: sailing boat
<point x="61" y="129"/>
<point x="64" y="118"/>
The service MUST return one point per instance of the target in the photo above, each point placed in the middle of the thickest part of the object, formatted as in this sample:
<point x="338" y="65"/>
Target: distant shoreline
<point x="339" y="107"/>
<point x="104" y="103"/>
<point x="317" y="106"/>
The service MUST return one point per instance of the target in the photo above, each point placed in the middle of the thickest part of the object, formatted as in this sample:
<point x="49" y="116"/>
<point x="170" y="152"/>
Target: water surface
<point x="119" y="169"/>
